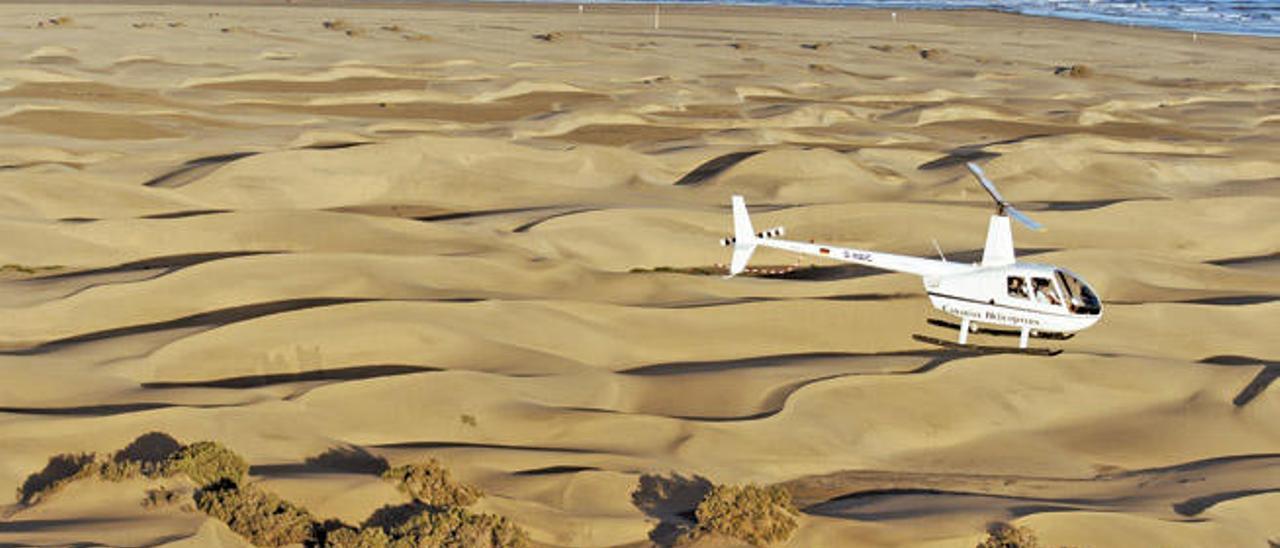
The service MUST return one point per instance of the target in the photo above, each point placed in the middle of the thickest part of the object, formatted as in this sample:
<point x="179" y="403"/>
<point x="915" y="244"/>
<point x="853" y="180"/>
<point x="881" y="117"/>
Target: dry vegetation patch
<point x="348" y="537"/>
<point x="340" y="25"/>
<point x="1004" y="535"/>
<point x="208" y="463"/>
<point x="1074" y="71"/>
<point x="557" y="36"/>
<point x="429" y="483"/>
<point x="757" y="515"/>
<point x="458" y="528"/>
<point x="436" y="517"/>
<point x="259" y="516"/>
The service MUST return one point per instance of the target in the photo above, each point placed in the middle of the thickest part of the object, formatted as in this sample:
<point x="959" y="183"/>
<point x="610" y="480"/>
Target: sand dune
<point x="425" y="231"/>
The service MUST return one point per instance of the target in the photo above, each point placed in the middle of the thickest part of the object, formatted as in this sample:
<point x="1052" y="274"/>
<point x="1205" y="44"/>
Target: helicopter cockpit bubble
<point x="1080" y="297"/>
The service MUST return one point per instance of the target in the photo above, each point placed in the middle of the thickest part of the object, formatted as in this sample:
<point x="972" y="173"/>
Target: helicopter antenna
<point x="939" y="249"/>
<point x="1003" y="206"/>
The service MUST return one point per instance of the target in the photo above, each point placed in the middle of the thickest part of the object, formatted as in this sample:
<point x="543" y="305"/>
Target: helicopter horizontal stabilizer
<point x="744" y="237"/>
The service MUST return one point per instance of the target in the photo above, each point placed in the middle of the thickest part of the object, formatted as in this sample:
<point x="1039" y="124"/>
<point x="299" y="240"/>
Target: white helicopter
<point x="1036" y="299"/>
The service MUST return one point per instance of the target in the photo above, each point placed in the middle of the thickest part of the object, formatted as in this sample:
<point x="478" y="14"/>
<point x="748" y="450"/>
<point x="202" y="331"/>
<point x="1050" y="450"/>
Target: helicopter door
<point x="1044" y="292"/>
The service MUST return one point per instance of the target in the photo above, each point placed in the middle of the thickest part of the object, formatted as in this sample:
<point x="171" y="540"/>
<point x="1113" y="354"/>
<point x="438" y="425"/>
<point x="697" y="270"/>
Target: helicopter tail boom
<point x="745" y="241"/>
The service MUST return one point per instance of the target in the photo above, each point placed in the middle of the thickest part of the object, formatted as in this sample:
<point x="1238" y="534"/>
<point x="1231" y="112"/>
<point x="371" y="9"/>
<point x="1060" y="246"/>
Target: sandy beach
<point x="432" y="231"/>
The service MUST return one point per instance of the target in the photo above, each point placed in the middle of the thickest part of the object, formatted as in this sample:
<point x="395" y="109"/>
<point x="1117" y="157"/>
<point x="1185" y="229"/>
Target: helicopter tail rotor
<point x="1005" y="208"/>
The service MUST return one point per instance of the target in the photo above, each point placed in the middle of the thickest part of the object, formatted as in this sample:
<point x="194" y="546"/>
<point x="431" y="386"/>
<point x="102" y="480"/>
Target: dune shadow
<point x="102" y="410"/>
<point x="41" y="525"/>
<point x="882" y="505"/>
<point x="185" y="213"/>
<point x="192" y="170"/>
<point x="974" y="152"/>
<point x="938" y="359"/>
<point x="58" y="470"/>
<point x="351" y="459"/>
<point x="458" y="215"/>
<point x="347" y="459"/>
<point x="1074" y="205"/>
<point x="169" y="263"/>
<point x="1256" y="386"/>
<point x="1195" y="505"/>
<point x="671" y="500"/>
<point x="716" y="366"/>
<point x="555" y="470"/>
<point x="149" y="449"/>
<point x="337" y="145"/>
<point x="1247" y="261"/>
<point x="1181" y="488"/>
<point x="713" y="167"/>
<point x="526" y="226"/>
<point x="355" y="373"/>
<point x="956" y="157"/>
<point x="1260" y="382"/>
<point x="494" y="446"/>
<point x="1235" y="300"/>
<point x="220" y="317"/>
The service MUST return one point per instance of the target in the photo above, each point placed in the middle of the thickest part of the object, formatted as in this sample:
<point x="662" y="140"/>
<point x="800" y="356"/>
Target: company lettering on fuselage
<point x="990" y="316"/>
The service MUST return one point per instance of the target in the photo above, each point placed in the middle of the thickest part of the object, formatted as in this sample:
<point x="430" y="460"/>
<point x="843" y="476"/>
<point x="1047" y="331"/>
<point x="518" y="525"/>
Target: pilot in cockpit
<point x="1044" y="291"/>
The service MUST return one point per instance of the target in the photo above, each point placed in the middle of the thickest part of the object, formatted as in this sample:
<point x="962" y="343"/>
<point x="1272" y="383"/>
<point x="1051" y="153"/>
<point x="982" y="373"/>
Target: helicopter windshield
<point x="1080" y="298"/>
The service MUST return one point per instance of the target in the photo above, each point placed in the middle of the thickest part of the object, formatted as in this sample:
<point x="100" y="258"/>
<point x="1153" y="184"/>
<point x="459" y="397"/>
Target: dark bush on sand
<point x="1074" y="71"/>
<point x="458" y="528"/>
<point x="750" y="513"/>
<point x="261" y="517"/>
<point x="1003" y="535"/>
<point x="207" y="463"/>
<point x="429" y="483"/>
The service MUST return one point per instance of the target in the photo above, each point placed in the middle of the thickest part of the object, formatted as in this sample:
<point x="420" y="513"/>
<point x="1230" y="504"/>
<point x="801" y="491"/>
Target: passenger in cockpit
<point x="1017" y="287"/>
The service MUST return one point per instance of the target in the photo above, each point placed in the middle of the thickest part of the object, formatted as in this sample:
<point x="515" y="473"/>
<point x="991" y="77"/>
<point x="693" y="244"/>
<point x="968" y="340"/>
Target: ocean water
<point x="1254" y="17"/>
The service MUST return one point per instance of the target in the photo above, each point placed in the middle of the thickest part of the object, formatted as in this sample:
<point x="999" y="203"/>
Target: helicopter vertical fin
<point x="744" y="237"/>
<point x="999" y="248"/>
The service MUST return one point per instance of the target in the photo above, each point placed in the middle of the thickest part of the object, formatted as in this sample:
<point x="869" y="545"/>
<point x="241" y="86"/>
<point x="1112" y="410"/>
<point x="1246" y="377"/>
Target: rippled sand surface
<point x="413" y="234"/>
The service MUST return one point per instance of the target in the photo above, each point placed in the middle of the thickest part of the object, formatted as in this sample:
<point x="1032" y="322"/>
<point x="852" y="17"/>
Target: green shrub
<point x="458" y="528"/>
<point x="1003" y="535"/>
<point x="261" y="517"/>
<point x="429" y="483"/>
<point x="207" y="463"/>
<point x="754" y="514"/>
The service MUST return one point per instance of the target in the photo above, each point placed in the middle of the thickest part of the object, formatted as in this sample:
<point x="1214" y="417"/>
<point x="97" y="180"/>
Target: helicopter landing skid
<point x="1003" y="332"/>
<point x="985" y="349"/>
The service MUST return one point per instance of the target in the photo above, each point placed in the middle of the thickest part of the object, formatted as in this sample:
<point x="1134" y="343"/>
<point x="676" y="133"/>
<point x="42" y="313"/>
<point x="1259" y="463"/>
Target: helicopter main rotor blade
<point x="986" y="183"/>
<point x="1025" y="220"/>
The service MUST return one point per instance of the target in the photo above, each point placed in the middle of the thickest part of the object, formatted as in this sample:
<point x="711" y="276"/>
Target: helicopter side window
<point x="1045" y="294"/>
<point x="1018" y="287"/>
